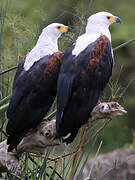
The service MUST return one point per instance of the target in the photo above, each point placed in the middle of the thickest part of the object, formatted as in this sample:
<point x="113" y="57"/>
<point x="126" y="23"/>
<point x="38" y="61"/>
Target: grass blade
<point x="124" y="44"/>
<point x="95" y="158"/>
<point x="4" y="108"/>
<point x="8" y="70"/>
<point x="4" y="100"/>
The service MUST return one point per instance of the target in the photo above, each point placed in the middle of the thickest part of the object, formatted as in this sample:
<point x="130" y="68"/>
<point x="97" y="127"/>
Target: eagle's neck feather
<point x="46" y="45"/>
<point x="91" y="35"/>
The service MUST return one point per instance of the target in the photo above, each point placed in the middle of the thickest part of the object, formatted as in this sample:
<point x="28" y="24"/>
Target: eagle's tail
<point x="14" y="140"/>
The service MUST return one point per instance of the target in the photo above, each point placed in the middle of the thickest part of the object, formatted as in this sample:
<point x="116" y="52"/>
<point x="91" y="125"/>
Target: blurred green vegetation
<point x="22" y="21"/>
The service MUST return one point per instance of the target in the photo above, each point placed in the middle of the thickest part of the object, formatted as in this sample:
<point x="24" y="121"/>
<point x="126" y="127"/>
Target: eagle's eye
<point x="58" y="27"/>
<point x="108" y="17"/>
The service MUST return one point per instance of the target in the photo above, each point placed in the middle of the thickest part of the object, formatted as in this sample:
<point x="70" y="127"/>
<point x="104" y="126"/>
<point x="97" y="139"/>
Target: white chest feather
<point x="86" y="39"/>
<point x="46" y="45"/>
<point x="34" y="55"/>
<point x="82" y="42"/>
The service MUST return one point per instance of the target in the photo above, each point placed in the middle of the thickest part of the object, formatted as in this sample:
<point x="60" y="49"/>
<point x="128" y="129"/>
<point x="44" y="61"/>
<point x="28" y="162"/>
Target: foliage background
<point x="21" y="22"/>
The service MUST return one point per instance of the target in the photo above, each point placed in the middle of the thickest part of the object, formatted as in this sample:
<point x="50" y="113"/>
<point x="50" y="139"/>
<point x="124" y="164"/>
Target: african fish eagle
<point x="85" y="71"/>
<point x="35" y="85"/>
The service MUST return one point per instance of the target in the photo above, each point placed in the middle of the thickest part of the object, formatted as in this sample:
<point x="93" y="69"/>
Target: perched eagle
<point x="86" y="68"/>
<point x="35" y="85"/>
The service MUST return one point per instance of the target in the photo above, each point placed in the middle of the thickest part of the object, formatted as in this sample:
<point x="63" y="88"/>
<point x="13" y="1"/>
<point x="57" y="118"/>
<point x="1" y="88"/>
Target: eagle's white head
<point x="53" y="32"/>
<point x="97" y="24"/>
<point x="47" y="43"/>
<point x="100" y="21"/>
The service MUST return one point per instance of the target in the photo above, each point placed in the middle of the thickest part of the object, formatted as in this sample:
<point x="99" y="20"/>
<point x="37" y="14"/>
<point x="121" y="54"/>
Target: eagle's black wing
<point x="65" y="81"/>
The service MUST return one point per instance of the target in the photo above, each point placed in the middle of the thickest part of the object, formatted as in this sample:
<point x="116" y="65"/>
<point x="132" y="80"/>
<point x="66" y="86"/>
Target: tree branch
<point x="45" y="135"/>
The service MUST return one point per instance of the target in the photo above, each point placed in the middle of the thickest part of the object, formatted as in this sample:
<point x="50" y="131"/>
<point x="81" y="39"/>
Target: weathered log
<point x="44" y="135"/>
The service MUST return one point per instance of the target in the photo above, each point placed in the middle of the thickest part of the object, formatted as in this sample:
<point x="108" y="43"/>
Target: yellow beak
<point x="115" y="19"/>
<point x="64" y="29"/>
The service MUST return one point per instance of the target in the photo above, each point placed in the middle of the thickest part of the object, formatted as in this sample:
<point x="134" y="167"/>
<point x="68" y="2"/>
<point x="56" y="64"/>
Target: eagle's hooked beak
<point x="69" y="29"/>
<point x="118" y="20"/>
<point x="64" y="29"/>
<point x="114" y="19"/>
